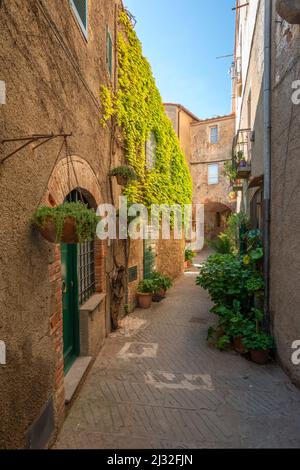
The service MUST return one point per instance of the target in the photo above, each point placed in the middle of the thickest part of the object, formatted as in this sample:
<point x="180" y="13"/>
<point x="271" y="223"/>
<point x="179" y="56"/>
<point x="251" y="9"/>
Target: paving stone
<point x="157" y="384"/>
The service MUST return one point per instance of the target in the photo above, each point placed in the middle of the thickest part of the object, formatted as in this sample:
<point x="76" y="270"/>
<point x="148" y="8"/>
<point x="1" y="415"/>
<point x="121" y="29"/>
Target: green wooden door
<point x="70" y="304"/>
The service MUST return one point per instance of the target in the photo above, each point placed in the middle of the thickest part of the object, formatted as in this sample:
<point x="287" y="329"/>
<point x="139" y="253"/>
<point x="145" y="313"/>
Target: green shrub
<point x="227" y="280"/>
<point x="223" y="244"/>
<point x="258" y="341"/>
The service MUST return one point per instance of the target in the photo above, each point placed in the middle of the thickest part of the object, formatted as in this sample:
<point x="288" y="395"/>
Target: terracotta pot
<point x="144" y="300"/>
<point x="69" y="233"/>
<point x="188" y="264"/>
<point x="122" y="180"/>
<point x="260" y="356"/>
<point x="238" y="345"/>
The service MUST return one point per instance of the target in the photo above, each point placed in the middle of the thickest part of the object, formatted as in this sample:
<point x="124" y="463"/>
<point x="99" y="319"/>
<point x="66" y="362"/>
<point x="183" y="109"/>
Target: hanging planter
<point x="71" y="222"/>
<point x="124" y="174"/>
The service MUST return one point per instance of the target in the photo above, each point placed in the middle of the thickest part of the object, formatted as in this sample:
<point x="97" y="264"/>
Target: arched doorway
<point x="78" y="284"/>
<point x="215" y="219"/>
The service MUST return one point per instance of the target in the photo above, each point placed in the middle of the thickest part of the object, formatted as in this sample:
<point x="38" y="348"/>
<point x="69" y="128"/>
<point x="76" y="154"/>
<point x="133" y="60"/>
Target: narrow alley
<point x="157" y="384"/>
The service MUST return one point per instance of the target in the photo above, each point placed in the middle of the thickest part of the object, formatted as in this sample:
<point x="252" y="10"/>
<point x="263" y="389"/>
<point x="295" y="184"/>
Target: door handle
<point x="64" y="287"/>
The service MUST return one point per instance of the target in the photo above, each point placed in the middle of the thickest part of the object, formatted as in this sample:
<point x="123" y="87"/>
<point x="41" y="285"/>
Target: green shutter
<point x="109" y="53"/>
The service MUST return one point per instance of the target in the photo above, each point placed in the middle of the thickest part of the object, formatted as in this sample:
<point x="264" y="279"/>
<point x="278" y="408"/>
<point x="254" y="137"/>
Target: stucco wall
<point x="52" y="77"/>
<point x="285" y="196"/>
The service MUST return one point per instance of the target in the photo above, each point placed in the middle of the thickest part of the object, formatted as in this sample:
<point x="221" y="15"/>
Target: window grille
<point x="86" y="271"/>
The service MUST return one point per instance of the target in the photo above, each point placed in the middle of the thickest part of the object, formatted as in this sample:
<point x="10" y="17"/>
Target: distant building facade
<point x="207" y="144"/>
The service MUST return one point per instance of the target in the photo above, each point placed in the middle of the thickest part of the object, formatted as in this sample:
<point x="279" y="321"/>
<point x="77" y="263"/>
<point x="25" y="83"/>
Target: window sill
<point x="92" y="304"/>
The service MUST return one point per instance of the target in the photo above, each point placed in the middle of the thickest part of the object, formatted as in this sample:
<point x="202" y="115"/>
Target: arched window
<point x="85" y="257"/>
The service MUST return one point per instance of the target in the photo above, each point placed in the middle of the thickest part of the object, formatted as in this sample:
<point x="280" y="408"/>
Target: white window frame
<point x="210" y="134"/>
<point x="213" y="180"/>
<point x="83" y="28"/>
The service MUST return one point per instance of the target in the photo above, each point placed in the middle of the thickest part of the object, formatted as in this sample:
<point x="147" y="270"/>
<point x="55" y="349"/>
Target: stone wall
<point x="52" y="77"/>
<point x="285" y="195"/>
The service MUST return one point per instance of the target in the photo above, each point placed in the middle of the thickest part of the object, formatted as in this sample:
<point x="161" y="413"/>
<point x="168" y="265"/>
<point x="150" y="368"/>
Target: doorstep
<point x="74" y="377"/>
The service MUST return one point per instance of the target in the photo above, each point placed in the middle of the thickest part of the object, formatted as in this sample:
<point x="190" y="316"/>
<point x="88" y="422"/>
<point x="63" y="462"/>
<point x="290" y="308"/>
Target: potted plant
<point x="259" y="345"/>
<point x="124" y="174"/>
<point x="146" y="289"/>
<point x="188" y="258"/>
<point x="70" y="222"/>
<point x="162" y="284"/>
<point x="240" y="327"/>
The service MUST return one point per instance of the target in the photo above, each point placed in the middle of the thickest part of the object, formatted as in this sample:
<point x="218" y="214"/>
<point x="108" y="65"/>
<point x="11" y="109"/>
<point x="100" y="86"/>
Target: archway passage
<point x="215" y="219"/>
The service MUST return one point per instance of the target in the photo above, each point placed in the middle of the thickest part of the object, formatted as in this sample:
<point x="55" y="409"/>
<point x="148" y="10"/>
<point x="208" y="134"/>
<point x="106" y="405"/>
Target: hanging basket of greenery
<point x="124" y="174"/>
<point x="71" y="222"/>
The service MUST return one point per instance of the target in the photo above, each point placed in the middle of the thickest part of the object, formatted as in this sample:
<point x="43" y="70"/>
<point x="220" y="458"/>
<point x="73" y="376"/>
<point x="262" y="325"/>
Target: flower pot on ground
<point x="71" y="222"/>
<point x="145" y="292"/>
<point x="144" y="300"/>
<point x="124" y="174"/>
<point x="161" y="285"/>
<point x="238" y="345"/>
<point x="189" y="256"/>
<point x="260" y="357"/>
<point x="259" y="345"/>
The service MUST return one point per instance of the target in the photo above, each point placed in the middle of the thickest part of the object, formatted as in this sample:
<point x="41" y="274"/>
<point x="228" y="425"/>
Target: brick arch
<point x="63" y="180"/>
<point x="70" y="173"/>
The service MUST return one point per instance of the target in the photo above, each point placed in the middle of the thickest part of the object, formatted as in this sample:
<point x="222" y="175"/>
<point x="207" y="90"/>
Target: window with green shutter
<point x="80" y="8"/>
<point x="109" y="53"/>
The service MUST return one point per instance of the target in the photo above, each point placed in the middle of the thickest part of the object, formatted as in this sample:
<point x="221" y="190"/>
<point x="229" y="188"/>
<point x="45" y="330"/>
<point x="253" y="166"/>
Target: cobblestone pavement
<point x="157" y="384"/>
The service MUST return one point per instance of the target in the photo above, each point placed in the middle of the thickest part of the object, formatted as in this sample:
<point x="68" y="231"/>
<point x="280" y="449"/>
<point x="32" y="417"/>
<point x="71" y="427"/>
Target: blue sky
<point x="182" y="39"/>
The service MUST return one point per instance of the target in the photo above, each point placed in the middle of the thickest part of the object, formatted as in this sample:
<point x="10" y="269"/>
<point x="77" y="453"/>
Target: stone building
<point x="266" y="71"/>
<point x="207" y="144"/>
<point x="54" y="56"/>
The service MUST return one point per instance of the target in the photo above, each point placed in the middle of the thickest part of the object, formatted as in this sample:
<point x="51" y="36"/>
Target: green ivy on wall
<point x="139" y="110"/>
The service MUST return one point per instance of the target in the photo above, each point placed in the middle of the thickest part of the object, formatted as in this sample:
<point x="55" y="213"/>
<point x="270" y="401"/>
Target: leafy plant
<point x="161" y="282"/>
<point x="85" y="218"/>
<point x="126" y="171"/>
<point x="189" y="255"/>
<point x="223" y="244"/>
<point x="258" y="341"/>
<point x="147" y="286"/>
<point x="223" y="342"/>
<point x="231" y="166"/>
<point x="138" y="110"/>
<point x="225" y="278"/>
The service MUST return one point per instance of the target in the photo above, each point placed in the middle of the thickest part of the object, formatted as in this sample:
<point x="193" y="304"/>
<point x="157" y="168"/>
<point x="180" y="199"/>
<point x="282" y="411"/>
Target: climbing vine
<point x="138" y="109"/>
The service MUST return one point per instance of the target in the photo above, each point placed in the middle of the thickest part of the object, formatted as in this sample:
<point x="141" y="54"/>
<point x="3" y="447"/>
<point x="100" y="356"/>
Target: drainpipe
<point x="267" y="156"/>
